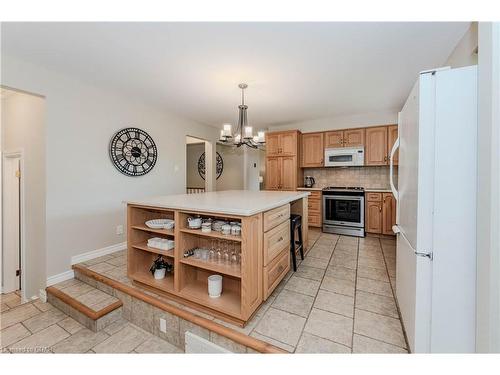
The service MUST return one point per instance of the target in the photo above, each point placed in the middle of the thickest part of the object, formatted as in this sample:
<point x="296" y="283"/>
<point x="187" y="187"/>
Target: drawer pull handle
<point x="280" y="239"/>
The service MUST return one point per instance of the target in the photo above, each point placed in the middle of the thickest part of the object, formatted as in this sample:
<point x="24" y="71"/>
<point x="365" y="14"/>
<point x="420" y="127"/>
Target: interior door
<point x="376" y="146"/>
<point x="11" y="223"/>
<point x="273" y="172"/>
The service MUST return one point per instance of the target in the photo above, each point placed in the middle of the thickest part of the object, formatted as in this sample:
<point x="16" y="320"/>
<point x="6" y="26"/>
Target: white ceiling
<point x="295" y="71"/>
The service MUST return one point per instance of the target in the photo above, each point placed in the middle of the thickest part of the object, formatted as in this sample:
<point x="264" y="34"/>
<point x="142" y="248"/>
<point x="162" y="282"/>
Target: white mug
<point x="214" y="286"/>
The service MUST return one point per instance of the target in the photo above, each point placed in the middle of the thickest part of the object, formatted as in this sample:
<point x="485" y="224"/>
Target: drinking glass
<point x="234" y="257"/>
<point x="219" y="252"/>
<point x="212" y="254"/>
<point x="226" y="252"/>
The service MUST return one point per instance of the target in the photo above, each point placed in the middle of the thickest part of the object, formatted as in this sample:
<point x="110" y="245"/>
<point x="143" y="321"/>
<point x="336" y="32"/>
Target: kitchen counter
<point x="310" y="189"/>
<point x="375" y="190"/>
<point x="230" y="202"/>
<point x="263" y="244"/>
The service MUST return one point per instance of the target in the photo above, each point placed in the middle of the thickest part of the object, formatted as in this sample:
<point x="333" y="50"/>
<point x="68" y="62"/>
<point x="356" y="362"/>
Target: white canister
<point x="226" y="229"/>
<point x="160" y="273"/>
<point x="235" y="230"/>
<point x="214" y="286"/>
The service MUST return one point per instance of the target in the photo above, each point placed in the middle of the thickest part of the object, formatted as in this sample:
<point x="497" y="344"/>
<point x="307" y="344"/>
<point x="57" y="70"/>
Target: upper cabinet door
<point x="392" y="135"/>
<point x="376" y="146"/>
<point x="288" y="175"/>
<point x="312" y="150"/>
<point x="272" y="144"/>
<point x="354" y="138"/>
<point x="288" y="144"/>
<point x="273" y="173"/>
<point x="334" y="139"/>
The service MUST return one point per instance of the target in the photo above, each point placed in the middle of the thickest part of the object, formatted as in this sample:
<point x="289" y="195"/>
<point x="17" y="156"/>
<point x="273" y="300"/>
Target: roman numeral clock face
<point x="133" y="152"/>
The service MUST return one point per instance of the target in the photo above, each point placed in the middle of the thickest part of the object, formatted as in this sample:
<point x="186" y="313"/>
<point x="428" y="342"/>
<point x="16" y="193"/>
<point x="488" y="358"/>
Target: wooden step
<point x="86" y="304"/>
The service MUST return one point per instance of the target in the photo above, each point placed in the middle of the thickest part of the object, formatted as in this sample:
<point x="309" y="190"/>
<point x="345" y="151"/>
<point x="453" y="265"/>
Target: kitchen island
<point x="263" y="245"/>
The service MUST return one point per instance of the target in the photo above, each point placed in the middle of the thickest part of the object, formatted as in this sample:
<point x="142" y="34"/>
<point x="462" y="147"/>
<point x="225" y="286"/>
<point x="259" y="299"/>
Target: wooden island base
<point x="264" y="245"/>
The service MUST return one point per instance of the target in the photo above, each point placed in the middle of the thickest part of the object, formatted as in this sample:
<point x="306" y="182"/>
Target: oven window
<point x="340" y="158"/>
<point x="345" y="210"/>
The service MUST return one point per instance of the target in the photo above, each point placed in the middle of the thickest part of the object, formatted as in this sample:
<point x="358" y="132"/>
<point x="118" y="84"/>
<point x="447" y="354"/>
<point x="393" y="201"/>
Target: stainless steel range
<point x="344" y="210"/>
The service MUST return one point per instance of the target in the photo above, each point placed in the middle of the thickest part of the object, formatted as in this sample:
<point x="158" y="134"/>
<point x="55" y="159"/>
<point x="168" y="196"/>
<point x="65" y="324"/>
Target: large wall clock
<point x="218" y="169"/>
<point x="133" y="152"/>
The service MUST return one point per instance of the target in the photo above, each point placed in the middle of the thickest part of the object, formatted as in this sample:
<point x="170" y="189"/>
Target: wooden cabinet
<point x="334" y="139"/>
<point x="314" y="209"/>
<point x="376" y="146"/>
<point x="380" y="213"/>
<point x="388" y="213"/>
<point x="392" y="135"/>
<point x="282" y="166"/>
<point x="354" y="137"/>
<point x="345" y="138"/>
<point x="312" y="150"/>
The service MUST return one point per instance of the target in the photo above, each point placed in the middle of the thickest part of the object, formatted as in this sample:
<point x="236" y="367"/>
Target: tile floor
<point x="37" y="327"/>
<point x="340" y="300"/>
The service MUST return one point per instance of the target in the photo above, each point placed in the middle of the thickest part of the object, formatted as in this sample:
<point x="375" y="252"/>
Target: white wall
<point x="84" y="190"/>
<point x="464" y="53"/>
<point x="342" y="122"/>
<point x="23" y="129"/>
<point x="488" y="204"/>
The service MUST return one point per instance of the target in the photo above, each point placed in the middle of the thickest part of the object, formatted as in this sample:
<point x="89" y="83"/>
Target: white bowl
<point x="160" y="224"/>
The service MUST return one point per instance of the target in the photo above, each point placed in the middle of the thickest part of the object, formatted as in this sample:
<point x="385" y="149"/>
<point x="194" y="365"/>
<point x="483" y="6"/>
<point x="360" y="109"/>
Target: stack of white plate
<point x="160" y="224"/>
<point x="161" y="243"/>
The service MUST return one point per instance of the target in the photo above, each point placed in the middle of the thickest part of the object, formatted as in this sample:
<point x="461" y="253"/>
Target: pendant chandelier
<point x="244" y="133"/>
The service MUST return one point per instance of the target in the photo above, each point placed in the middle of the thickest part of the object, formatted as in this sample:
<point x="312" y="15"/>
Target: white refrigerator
<point x="436" y="211"/>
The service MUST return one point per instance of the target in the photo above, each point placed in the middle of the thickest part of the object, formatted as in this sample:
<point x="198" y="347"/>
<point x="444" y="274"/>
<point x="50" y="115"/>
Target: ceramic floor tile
<point x="362" y="344"/>
<point x="42" y="306"/>
<point x="41" y="341"/>
<point x="4" y="307"/>
<point x="336" y="303"/>
<point x="313" y="344"/>
<point x="293" y="302"/>
<point x="321" y="252"/>
<point x="330" y="326"/>
<point x="310" y="261"/>
<point x="379" y="327"/>
<point x="373" y="273"/>
<point x="335" y="285"/>
<point x="77" y="289"/>
<point x="18" y="314"/>
<point x="271" y="341"/>
<point x="124" y="341"/>
<point x="118" y="261"/>
<point x="13" y="334"/>
<point x="373" y="286"/>
<point x="101" y="267"/>
<point x="301" y="285"/>
<point x="310" y="273"/>
<point x="340" y="272"/>
<point x="70" y="325"/>
<point x="281" y="326"/>
<point x="157" y="345"/>
<point x="372" y="263"/>
<point x="43" y="320"/>
<point x="80" y="342"/>
<point x="66" y="283"/>
<point x="92" y="297"/>
<point x="376" y="303"/>
<point x="12" y="300"/>
<point x="344" y="262"/>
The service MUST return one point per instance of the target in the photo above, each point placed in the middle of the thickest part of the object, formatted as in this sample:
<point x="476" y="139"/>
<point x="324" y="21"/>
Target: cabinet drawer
<point x="314" y="205"/>
<point x="275" y="217"/>
<point x="374" y="197"/>
<point x="275" y="272"/>
<point x="314" y="219"/>
<point x="275" y="241"/>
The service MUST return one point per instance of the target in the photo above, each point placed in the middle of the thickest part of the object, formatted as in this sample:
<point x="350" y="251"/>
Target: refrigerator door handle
<point x="397" y="230"/>
<point x="391" y="169"/>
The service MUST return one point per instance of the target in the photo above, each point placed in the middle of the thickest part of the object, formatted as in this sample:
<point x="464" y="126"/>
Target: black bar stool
<point x="296" y="224"/>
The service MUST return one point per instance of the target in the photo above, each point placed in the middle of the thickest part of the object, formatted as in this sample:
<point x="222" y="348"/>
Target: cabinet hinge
<point x="18" y="272"/>
<point x="18" y="173"/>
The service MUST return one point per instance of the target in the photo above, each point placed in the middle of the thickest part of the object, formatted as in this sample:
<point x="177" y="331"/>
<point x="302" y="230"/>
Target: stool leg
<point x="300" y="242"/>
<point x="292" y="247"/>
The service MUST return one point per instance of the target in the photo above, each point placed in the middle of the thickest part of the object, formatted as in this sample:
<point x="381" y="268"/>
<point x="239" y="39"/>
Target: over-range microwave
<point x="344" y="156"/>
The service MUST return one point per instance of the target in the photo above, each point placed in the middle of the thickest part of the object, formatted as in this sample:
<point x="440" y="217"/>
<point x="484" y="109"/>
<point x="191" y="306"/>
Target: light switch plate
<point x="163" y="325"/>
<point x="119" y="229"/>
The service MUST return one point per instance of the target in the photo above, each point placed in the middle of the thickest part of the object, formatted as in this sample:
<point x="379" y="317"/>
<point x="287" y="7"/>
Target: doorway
<point x="12" y="257"/>
<point x="199" y="165"/>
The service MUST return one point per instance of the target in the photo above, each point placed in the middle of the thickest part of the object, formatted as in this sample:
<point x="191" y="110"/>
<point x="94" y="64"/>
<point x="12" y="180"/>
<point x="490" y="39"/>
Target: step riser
<point x="93" y="325"/>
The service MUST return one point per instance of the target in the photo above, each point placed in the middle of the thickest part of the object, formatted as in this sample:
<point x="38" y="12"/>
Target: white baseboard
<point x="51" y="280"/>
<point x="98" y="253"/>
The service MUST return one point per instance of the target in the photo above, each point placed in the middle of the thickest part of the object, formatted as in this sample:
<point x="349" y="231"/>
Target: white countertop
<point x="230" y="202"/>
<point x="310" y="189"/>
<point x="374" y="190"/>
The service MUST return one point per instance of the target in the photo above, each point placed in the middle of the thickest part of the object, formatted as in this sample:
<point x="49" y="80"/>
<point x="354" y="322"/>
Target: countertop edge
<point x="223" y="211"/>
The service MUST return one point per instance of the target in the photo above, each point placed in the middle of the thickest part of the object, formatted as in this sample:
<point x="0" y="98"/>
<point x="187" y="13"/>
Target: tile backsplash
<point x="367" y="177"/>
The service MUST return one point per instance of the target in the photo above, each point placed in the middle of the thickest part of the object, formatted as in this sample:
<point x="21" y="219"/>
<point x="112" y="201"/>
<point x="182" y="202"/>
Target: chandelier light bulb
<point x="248" y="132"/>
